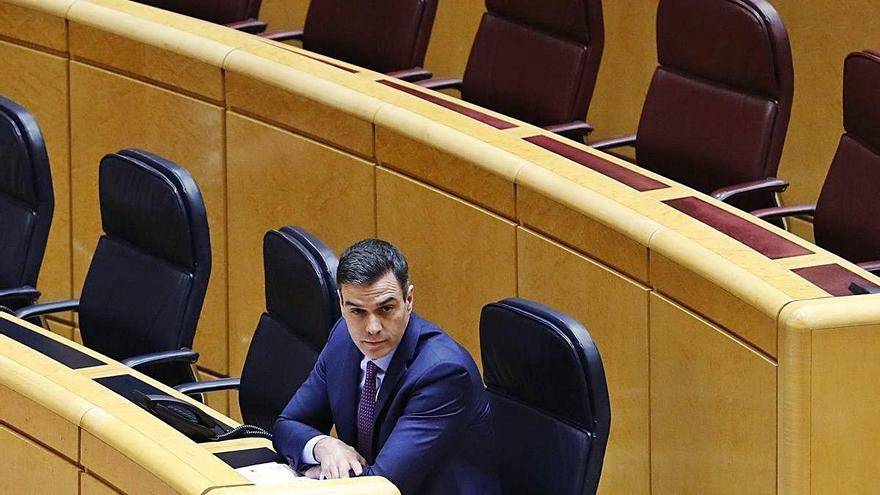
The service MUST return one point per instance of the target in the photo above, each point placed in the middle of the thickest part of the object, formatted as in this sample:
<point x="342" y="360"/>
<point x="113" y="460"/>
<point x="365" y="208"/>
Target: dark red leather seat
<point x="388" y="36"/>
<point x="718" y="106"/>
<point x="237" y="14"/>
<point x="845" y="217"/>
<point x="535" y="61"/>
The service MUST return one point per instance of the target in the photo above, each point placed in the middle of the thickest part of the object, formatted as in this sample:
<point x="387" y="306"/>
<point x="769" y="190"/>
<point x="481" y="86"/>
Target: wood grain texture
<point x="89" y="485"/>
<point x="586" y="231"/>
<point x="614" y="309"/>
<point x="40" y="23"/>
<point x="110" y="112"/>
<point x="460" y="256"/>
<point x="163" y="47"/>
<point x="21" y="458"/>
<point x="827" y="396"/>
<point x="713" y="408"/>
<point x="269" y="86"/>
<point x="40" y="85"/>
<point x="278" y="178"/>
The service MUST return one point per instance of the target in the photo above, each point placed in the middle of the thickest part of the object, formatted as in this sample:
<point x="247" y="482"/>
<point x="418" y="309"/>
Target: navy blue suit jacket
<point x="432" y="434"/>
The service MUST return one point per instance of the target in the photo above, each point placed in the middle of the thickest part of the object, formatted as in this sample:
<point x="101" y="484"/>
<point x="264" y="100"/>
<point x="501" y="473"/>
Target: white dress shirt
<point x="382" y="363"/>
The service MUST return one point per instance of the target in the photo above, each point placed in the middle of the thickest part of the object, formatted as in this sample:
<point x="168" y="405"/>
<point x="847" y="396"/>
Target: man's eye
<point x="387" y="309"/>
<point x="357" y="311"/>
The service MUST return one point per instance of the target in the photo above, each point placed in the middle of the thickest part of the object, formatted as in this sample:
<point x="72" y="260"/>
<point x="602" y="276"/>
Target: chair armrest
<point x="294" y="34"/>
<point x="47" y="308"/>
<point x="769" y="184"/>
<point x="411" y="75"/>
<point x="23" y="295"/>
<point x="439" y="83"/>
<point x="576" y="129"/>
<point x="252" y="26"/>
<point x="870" y="266"/>
<point x="180" y="355"/>
<point x="209" y="386"/>
<point x="784" y="211"/>
<point x="615" y="142"/>
<point x="858" y="289"/>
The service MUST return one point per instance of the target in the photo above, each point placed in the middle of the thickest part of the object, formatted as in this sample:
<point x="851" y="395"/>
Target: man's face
<point x="376" y="314"/>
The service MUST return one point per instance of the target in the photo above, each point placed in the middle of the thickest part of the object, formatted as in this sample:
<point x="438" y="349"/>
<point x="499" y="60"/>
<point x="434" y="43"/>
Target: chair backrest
<point x="718" y="107"/>
<point x="301" y="308"/>
<point x="382" y="35"/>
<point x="147" y="280"/>
<point x="549" y="397"/>
<point x="26" y="197"/>
<point x="220" y="12"/>
<point x="846" y="220"/>
<point x="536" y="61"/>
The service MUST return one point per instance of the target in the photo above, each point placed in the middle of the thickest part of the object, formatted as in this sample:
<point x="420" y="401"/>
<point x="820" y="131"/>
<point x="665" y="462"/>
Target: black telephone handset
<point x="182" y="416"/>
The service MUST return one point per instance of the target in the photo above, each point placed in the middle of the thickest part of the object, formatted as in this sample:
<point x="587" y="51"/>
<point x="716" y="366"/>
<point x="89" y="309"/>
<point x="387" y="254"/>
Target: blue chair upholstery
<point x="549" y="398"/>
<point x="26" y="204"/>
<point x="301" y="308"/>
<point x="146" y="283"/>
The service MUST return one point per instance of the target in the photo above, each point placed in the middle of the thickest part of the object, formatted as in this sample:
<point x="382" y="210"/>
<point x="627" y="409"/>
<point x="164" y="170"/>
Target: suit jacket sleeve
<point x="436" y="414"/>
<point x="305" y="416"/>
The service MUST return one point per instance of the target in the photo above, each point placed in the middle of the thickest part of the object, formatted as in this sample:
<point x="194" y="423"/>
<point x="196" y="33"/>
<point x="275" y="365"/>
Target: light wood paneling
<point x="21" y="458"/>
<point x="277" y="178"/>
<point x="284" y="14"/>
<point x="63" y="329"/>
<point x="460" y="257"/>
<point x="218" y="401"/>
<point x="132" y="57"/>
<point x="713" y="408"/>
<point x="36" y="420"/>
<point x="110" y="112"/>
<point x="448" y="159"/>
<point x="89" y="485"/>
<point x="173" y="50"/>
<point x="115" y="467"/>
<point x="39" y="23"/>
<point x="614" y="309"/>
<point x="40" y="85"/>
<point x="583" y="231"/>
<point x="265" y="85"/>
<point x="845" y="401"/>
<point x="713" y="302"/>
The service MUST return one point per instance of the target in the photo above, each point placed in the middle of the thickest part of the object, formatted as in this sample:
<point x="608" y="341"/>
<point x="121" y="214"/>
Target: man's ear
<point x="409" y="297"/>
<point x="339" y="294"/>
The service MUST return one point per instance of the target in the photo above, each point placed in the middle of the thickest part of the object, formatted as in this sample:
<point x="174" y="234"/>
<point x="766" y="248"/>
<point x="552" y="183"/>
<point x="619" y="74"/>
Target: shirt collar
<point x="383" y="362"/>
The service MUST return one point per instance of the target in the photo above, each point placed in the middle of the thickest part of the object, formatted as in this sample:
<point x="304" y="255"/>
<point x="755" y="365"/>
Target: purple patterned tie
<point x="366" y="413"/>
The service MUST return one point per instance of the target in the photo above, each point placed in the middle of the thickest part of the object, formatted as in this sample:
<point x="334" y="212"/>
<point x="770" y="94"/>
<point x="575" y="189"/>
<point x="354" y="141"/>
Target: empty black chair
<point x="549" y="398"/>
<point x="301" y="308"/>
<point x="147" y="280"/>
<point x="26" y="204"/>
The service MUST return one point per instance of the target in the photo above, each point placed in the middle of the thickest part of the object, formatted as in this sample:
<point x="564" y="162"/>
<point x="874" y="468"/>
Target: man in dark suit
<point x="407" y="401"/>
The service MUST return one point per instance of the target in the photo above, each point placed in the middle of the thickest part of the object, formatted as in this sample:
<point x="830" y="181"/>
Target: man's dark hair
<point x="368" y="260"/>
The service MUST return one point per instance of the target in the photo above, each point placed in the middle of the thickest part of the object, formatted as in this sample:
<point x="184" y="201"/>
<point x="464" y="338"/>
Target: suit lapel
<point x="399" y="363"/>
<point x="346" y="413"/>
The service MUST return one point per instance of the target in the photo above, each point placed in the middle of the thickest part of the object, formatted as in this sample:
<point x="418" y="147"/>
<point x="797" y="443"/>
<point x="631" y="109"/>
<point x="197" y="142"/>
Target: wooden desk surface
<point x="57" y="411"/>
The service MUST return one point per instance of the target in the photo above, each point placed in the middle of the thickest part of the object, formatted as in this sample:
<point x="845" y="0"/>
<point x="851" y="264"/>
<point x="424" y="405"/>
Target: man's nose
<point x="373" y="324"/>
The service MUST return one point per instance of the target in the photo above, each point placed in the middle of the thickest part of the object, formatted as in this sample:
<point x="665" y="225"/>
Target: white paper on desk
<point x="271" y="473"/>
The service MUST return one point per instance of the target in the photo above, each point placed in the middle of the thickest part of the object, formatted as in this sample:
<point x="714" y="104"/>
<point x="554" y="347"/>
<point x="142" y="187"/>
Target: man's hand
<point x="337" y="458"/>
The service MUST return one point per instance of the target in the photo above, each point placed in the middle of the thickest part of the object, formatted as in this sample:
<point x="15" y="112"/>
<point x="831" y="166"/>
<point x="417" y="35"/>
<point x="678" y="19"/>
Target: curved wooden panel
<point x="485" y="207"/>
